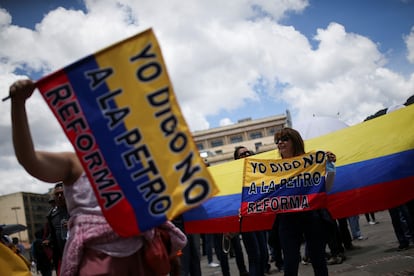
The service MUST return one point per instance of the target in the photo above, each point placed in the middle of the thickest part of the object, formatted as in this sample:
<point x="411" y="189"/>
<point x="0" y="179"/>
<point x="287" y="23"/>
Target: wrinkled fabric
<point x="85" y="230"/>
<point x="81" y="200"/>
<point x="88" y="229"/>
<point x="178" y="238"/>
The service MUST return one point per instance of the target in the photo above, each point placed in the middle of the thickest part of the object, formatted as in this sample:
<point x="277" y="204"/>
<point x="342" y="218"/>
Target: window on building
<point x="200" y="146"/>
<point x="217" y="143"/>
<point x="255" y="135"/>
<point x="272" y="131"/>
<point x="236" y="139"/>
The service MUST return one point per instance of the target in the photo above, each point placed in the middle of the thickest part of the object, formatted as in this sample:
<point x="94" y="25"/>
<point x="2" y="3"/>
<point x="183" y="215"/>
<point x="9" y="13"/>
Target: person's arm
<point x="330" y="170"/>
<point x="46" y="166"/>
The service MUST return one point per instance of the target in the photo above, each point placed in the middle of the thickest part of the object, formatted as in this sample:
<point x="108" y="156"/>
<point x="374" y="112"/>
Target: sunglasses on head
<point x="284" y="138"/>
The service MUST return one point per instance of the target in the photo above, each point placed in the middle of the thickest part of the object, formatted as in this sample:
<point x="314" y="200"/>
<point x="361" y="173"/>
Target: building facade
<point x="217" y="145"/>
<point x="29" y="209"/>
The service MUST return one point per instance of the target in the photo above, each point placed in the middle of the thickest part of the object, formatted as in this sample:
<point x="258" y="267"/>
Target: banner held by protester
<point x="373" y="172"/>
<point x="118" y="109"/>
<point x="284" y="185"/>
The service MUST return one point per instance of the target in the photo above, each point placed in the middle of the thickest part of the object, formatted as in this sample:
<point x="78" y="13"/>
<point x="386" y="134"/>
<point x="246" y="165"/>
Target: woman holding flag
<point x="93" y="248"/>
<point x="308" y="225"/>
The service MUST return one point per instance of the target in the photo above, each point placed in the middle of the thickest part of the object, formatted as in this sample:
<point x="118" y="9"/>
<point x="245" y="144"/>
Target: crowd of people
<point x="77" y="240"/>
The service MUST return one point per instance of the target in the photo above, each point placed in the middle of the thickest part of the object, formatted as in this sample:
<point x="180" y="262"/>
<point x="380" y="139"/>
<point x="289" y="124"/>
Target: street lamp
<point x="17" y="219"/>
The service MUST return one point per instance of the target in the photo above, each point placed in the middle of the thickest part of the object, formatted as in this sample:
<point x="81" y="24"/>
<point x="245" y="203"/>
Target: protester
<point x="355" y="229"/>
<point x="400" y="215"/>
<point x="19" y="247"/>
<point x="190" y="258"/>
<point x="57" y="224"/>
<point x="308" y="224"/>
<point x="93" y="248"/>
<point x="346" y="234"/>
<point x="40" y="254"/>
<point x="403" y="226"/>
<point x="336" y="253"/>
<point x="371" y="218"/>
<point x="335" y="244"/>
<point x="207" y="248"/>
<point x="275" y="247"/>
<point x="208" y="240"/>
<point x="254" y="242"/>
<point x="233" y="241"/>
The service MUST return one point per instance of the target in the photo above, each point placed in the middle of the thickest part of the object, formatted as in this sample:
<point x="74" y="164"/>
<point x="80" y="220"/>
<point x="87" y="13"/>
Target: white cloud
<point x="226" y="122"/>
<point x="344" y="75"/>
<point x="16" y="180"/>
<point x="215" y="52"/>
<point x="5" y="17"/>
<point x="409" y="41"/>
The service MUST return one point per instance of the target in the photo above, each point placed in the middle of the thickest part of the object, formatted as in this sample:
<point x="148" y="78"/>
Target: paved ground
<point x="377" y="255"/>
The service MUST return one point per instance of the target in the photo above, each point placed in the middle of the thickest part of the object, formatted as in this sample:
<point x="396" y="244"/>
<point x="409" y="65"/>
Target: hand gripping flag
<point x="118" y="109"/>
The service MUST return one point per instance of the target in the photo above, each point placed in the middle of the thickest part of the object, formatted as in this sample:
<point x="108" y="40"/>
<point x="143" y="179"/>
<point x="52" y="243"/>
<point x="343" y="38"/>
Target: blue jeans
<point x="296" y="227"/>
<point x="354" y="225"/>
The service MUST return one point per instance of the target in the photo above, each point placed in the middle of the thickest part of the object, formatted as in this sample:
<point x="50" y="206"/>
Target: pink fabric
<point x="81" y="200"/>
<point x="87" y="230"/>
<point x="98" y="263"/>
<point x="84" y="230"/>
<point x="178" y="238"/>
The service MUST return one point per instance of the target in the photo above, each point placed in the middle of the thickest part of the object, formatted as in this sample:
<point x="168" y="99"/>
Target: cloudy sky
<point x="227" y="60"/>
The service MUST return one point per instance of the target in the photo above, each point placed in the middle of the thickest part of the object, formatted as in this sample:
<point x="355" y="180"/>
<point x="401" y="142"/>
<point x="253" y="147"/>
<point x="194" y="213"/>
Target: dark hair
<point x="294" y="136"/>
<point x="236" y="152"/>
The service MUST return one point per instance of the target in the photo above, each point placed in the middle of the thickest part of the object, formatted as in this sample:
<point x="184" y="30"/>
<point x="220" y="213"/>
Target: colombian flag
<point x="118" y="109"/>
<point x="375" y="171"/>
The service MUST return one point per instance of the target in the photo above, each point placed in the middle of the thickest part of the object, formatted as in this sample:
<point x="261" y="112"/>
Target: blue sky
<point x="26" y="13"/>
<point x="227" y="60"/>
<point x="382" y="21"/>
